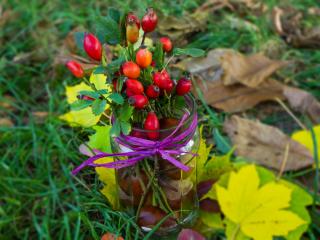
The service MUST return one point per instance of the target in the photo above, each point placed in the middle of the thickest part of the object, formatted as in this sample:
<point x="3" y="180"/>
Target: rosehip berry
<point x="143" y="57"/>
<point x="75" y="68"/>
<point x="149" y="21"/>
<point x="92" y="46"/>
<point x="183" y="86"/>
<point x="169" y="86"/>
<point x="153" y="63"/>
<point x="132" y="28"/>
<point x="152" y="124"/>
<point x="162" y="79"/>
<point x="138" y="101"/>
<point x="131" y="70"/>
<point x="153" y="91"/>
<point x="134" y="86"/>
<point x="166" y="44"/>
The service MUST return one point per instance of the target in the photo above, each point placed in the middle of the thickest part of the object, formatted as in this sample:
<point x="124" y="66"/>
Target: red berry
<point x="138" y="101"/>
<point x="166" y="44"/>
<point x="153" y="63"/>
<point x="134" y="86"/>
<point x="169" y="86"/>
<point x="152" y="124"/>
<point x="92" y="46"/>
<point x="132" y="28"/>
<point x="143" y="57"/>
<point x="149" y="21"/>
<point x="162" y="79"/>
<point x="75" y="68"/>
<point x="132" y="18"/>
<point x="183" y="86"/>
<point x="153" y="91"/>
<point x="131" y="69"/>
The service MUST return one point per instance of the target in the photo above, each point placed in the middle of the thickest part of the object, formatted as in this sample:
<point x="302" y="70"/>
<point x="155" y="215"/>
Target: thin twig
<point x="284" y="162"/>
<point x="282" y="104"/>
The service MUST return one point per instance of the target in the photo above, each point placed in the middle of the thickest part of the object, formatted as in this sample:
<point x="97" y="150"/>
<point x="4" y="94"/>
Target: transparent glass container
<point x="155" y="190"/>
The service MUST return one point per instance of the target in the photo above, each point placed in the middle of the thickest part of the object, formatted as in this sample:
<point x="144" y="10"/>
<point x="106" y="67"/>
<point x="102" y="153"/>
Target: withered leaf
<point x="6" y="122"/>
<point x="303" y="102"/>
<point x="288" y="24"/>
<point x="266" y="145"/>
<point x="248" y="70"/>
<point x="237" y="98"/>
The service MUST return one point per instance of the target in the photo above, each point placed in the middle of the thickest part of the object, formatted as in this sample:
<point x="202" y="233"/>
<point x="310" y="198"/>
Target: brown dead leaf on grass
<point x="248" y="70"/>
<point x="303" y="102"/>
<point x="233" y="82"/>
<point x="266" y="145"/>
<point x="6" y="122"/>
<point x="238" y="98"/>
<point x="288" y="24"/>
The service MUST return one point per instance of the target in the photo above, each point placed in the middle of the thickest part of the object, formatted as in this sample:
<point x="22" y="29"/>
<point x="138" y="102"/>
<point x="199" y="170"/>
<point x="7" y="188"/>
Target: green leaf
<point x="80" y="104"/>
<point x="108" y="29"/>
<point x="193" y="52"/>
<point x="117" y="98"/>
<point x="101" y="139"/>
<point x="116" y="128"/>
<point x="98" y="106"/>
<point x="179" y="102"/>
<point x="158" y="56"/>
<point x="102" y="91"/>
<point x="221" y="142"/>
<point x="114" y="14"/>
<point x="125" y="128"/>
<point x="126" y="112"/>
<point x="89" y="94"/>
<point x="100" y="70"/>
<point x="79" y="38"/>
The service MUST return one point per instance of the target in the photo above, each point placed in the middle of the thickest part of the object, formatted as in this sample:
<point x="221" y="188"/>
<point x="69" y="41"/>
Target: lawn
<point x="39" y="198"/>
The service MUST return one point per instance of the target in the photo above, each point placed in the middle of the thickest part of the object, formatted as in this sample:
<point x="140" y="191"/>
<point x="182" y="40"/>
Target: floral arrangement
<point x="148" y="149"/>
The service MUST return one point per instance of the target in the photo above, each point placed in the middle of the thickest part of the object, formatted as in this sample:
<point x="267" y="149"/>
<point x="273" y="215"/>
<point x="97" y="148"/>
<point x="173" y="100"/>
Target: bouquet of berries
<point x="153" y="121"/>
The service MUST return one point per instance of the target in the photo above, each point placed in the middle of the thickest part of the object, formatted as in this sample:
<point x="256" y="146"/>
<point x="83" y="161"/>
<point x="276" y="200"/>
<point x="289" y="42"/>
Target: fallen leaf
<point x="238" y="98"/>
<point x="255" y="209"/>
<point x="251" y="70"/>
<point x="189" y="234"/>
<point x="266" y="145"/>
<point x="288" y="23"/>
<point x="7" y="102"/>
<point x="6" y="122"/>
<point x="40" y="116"/>
<point x="303" y="102"/>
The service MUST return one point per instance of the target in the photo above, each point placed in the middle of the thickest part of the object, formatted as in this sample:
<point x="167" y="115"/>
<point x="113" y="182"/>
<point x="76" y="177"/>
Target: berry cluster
<point x="142" y="80"/>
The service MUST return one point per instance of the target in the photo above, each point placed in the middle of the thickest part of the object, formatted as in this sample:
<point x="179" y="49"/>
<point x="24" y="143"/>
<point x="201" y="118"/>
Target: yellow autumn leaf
<point x="258" y="211"/>
<point x="84" y="117"/>
<point x="108" y="177"/>
<point x="304" y="137"/>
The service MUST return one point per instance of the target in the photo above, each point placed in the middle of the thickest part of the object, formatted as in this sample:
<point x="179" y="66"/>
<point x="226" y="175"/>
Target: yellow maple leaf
<point x="304" y="137"/>
<point x="84" y="117"/>
<point x="107" y="176"/>
<point x="258" y="211"/>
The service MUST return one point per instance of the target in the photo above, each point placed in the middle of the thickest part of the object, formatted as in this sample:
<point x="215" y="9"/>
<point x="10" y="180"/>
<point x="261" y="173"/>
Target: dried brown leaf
<point x="288" y="24"/>
<point x="303" y="102"/>
<point x="6" y="122"/>
<point x="238" y="98"/>
<point x="7" y="102"/>
<point x="248" y="70"/>
<point x="266" y="145"/>
<point x="40" y="116"/>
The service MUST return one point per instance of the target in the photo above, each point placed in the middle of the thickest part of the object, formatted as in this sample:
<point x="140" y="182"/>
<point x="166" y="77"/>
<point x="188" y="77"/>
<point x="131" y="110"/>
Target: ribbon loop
<point x="144" y="148"/>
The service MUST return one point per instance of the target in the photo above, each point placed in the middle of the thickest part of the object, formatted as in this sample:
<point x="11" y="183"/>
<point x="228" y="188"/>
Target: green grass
<point x="39" y="199"/>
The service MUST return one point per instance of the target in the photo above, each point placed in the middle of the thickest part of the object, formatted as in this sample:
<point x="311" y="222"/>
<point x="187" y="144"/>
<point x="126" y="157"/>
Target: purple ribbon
<point x="143" y="148"/>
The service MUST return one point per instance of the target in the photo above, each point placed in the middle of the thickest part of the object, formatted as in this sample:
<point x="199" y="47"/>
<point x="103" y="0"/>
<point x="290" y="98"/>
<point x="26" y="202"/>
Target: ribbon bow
<point x="143" y="148"/>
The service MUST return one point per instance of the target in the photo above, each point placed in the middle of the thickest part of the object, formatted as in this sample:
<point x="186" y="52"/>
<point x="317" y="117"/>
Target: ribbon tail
<point x="174" y="161"/>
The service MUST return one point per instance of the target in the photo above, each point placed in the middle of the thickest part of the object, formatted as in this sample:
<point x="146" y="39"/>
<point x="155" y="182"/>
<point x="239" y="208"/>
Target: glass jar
<point x="154" y="189"/>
